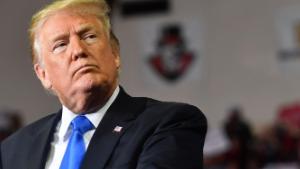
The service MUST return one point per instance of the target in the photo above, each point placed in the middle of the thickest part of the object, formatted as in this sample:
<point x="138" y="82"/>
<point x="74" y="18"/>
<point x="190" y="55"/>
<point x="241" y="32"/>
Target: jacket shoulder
<point x="161" y="113"/>
<point x="30" y="130"/>
<point x="165" y="108"/>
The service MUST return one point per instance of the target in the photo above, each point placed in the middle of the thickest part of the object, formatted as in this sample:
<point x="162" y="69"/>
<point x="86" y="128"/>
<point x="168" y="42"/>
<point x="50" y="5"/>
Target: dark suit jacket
<point x="155" y="135"/>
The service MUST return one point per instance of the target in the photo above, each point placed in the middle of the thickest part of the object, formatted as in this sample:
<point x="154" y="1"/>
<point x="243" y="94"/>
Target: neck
<point x="91" y="101"/>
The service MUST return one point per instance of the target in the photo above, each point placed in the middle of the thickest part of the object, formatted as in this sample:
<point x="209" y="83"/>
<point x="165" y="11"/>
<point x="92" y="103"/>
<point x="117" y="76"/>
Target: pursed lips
<point x="85" y="66"/>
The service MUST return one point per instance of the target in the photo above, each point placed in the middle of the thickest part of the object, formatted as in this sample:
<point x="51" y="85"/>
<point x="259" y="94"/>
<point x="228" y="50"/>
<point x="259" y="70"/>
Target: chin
<point x="93" y="86"/>
<point x="90" y="81"/>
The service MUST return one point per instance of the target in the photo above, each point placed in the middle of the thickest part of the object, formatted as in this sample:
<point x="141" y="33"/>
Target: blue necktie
<point x="76" y="147"/>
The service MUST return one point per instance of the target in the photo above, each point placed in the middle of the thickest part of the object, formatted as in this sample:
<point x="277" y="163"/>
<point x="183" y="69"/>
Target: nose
<point x="77" y="49"/>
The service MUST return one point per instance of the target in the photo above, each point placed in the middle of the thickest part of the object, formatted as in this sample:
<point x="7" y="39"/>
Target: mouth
<point x="85" y="68"/>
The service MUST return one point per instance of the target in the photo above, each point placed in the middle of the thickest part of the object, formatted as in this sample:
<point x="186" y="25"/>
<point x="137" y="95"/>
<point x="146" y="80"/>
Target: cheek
<point x="104" y="59"/>
<point x="56" y="70"/>
<point x="109" y="65"/>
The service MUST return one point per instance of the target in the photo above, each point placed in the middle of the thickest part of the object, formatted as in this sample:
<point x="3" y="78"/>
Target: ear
<point x="42" y="75"/>
<point x="117" y="61"/>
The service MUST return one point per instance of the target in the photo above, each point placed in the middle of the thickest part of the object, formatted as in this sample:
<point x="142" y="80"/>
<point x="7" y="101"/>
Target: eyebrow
<point x="81" y="30"/>
<point x="59" y="36"/>
<point x="85" y="28"/>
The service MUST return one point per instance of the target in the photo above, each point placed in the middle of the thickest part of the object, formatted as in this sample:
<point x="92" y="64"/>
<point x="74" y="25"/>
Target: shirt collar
<point x="95" y="118"/>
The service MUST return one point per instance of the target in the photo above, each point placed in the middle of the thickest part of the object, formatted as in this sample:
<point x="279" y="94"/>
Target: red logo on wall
<point x="171" y="59"/>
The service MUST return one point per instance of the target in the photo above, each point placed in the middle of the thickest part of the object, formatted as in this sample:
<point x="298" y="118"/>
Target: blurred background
<point x="237" y="60"/>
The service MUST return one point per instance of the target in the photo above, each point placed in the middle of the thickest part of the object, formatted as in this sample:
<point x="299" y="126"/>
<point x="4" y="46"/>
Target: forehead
<point x="67" y="22"/>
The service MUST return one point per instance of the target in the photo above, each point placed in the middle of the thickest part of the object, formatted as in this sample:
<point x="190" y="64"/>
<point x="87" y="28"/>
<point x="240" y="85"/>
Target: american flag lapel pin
<point x="117" y="129"/>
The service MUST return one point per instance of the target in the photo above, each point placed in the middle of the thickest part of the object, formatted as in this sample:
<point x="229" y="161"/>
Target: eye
<point x="90" y="37"/>
<point x="59" y="47"/>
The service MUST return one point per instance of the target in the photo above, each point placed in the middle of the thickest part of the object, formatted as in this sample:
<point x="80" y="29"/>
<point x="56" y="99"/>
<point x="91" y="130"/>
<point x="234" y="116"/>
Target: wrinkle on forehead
<point x="84" y="17"/>
<point x="57" y="26"/>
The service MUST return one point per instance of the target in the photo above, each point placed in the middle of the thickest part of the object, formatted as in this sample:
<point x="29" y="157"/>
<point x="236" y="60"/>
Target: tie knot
<point x="81" y="124"/>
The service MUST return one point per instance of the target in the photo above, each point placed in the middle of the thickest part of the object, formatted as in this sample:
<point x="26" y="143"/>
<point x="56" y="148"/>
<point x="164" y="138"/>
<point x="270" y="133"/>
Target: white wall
<point x="240" y="60"/>
<point x="19" y="87"/>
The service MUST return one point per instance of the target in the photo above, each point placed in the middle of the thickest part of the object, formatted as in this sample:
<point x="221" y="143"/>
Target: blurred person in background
<point x="76" y="57"/>
<point x="239" y="132"/>
<point x="10" y="122"/>
<point x="279" y="144"/>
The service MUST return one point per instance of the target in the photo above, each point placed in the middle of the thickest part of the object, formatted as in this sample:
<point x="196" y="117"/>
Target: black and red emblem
<point x="171" y="59"/>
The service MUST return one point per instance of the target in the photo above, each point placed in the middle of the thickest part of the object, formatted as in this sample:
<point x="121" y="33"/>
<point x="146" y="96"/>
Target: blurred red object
<point x="290" y="115"/>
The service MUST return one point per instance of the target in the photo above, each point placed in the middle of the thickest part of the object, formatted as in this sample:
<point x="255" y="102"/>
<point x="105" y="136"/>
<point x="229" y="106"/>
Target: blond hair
<point x="98" y="8"/>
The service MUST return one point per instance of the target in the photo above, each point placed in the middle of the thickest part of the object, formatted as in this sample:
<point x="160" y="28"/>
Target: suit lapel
<point x="41" y="143"/>
<point x="120" y="114"/>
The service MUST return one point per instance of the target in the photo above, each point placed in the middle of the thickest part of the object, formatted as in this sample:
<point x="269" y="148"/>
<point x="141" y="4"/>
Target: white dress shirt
<point x="63" y="132"/>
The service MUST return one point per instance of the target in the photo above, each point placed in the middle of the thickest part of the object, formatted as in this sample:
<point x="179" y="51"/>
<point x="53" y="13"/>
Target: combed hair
<point x="98" y="8"/>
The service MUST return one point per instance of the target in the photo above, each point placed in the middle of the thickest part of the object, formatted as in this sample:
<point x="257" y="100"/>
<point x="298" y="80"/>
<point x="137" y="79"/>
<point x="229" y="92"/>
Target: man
<point x="76" y="57"/>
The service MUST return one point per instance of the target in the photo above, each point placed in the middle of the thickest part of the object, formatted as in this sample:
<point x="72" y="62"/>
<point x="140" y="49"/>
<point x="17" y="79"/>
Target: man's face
<point x="77" y="61"/>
